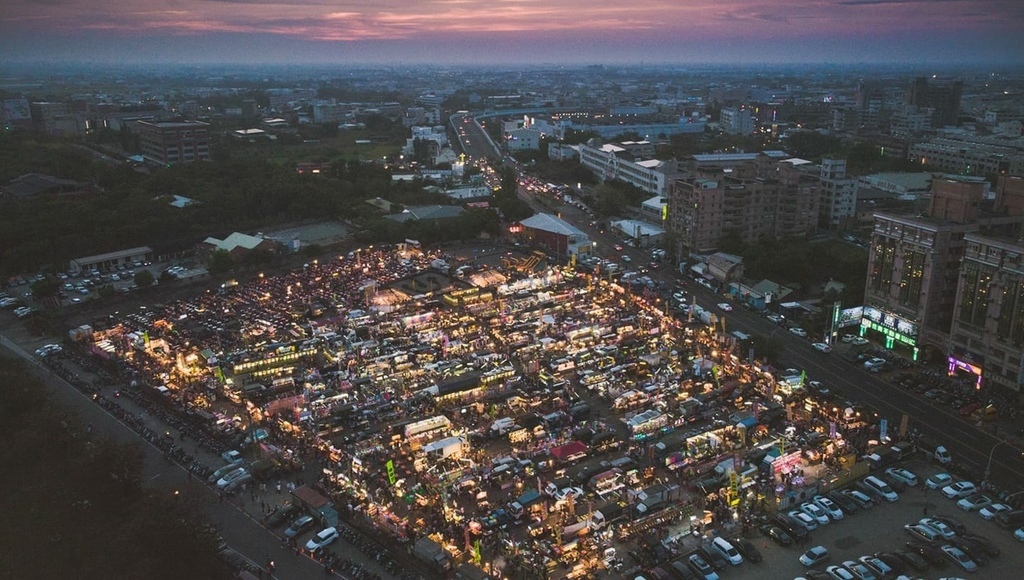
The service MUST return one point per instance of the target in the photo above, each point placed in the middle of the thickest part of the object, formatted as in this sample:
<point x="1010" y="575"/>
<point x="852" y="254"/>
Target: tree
<point x="166" y="277"/>
<point x="144" y="279"/>
<point x="46" y="287"/>
<point x="220" y="262"/>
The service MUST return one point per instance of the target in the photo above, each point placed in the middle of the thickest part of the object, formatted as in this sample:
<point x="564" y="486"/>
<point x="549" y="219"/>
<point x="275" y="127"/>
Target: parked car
<point x="990" y="512"/>
<point x="974" y="502"/>
<point x="701" y="567"/>
<point x="844" y="502"/>
<point x="814" y="556"/>
<point x="280" y="514"/>
<point x="922" y="532"/>
<point x="912" y="560"/>
<point x="829" y="507"/>
<point x="859" y="570"/>
<point x="727" y="550"/>
<point x="837" y="572"/>
<point x="862" y="500"/>
<point x="953" y="523"/>
<point x="798" y="331"/>
<point x="879" y="488"/>
<point x="959" y="489"/>
<point x="300" y="525"/>
<point x="231" y="476"/>
<point x="960" y="558"/>
<point x="322" y="538"/>
<point x="747" y="549"/>
<point x="812" y="509"/>
<point x="943" y="530"/>
<point x="803" y="519"/>
<point x="938" y="481"/>
<point x="928" y="551"/>
<point x="877" y="566"/>
<point x="875" y="365"/>
<point x="986" y="545"/>
<point x="904" y="475"/>
<point x="822" y="347"/>
<point x="777" y="534"/>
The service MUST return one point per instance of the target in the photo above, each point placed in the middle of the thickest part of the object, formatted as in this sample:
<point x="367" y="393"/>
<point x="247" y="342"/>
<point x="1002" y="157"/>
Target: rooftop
<point x="549" y="223"/>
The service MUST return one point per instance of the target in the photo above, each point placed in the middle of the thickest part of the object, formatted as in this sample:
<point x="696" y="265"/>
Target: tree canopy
<point x="75" y="506"/>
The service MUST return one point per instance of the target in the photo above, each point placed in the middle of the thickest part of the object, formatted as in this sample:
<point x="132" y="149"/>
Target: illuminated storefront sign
<point x="956" y="364"/>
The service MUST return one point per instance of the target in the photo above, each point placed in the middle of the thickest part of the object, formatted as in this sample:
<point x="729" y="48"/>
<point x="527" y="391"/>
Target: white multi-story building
<point x="968" y="158"/>
<point x="737" y="121"/>
<point x="838" y="194"/>
<point x="608" y="163"/>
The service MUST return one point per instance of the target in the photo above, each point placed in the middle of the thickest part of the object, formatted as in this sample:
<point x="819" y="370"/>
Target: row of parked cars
<point x="706" y="561"/>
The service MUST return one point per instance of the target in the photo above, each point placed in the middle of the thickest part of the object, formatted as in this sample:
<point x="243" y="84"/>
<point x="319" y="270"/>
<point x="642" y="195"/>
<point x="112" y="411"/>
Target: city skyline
<point x="461" y="32"/>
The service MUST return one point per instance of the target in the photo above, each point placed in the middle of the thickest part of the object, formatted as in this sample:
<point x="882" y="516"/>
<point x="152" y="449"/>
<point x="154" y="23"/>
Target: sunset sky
<point x="513" y="31"/>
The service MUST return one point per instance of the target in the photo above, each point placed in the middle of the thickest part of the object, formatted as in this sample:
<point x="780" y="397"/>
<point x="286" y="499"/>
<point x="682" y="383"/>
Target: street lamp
<point x="988" y="466"/>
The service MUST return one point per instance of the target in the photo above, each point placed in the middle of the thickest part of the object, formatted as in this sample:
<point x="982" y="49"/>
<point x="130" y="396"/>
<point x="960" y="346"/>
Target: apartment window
<point x="974" y="305"/>
<point x="1010" y="324"/>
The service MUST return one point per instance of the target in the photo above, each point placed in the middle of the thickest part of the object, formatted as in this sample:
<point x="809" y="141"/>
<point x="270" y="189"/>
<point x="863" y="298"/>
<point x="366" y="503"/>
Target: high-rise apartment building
<point x="914" y="263"/>
<point x="987" y="335"/>
<point x="173" y="143"/>
<point x="838" y="201"/>
<point x="942" y="96"/>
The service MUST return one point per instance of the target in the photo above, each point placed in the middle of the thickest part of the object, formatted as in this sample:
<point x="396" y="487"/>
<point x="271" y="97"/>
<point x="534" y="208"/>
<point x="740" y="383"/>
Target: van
<point x="880" y="488"/>
<point x="727" y="550"/>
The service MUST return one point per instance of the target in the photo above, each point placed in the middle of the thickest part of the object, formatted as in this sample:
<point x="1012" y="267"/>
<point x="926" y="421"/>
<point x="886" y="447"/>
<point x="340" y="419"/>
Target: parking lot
<point x="880" y="529"/>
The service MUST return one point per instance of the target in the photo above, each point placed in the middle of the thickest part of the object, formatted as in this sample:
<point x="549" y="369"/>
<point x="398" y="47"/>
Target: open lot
<point x="881" y="529"/>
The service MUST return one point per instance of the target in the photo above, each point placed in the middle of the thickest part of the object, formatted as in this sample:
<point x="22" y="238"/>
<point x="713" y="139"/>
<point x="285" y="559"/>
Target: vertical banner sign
<point x="831" y="429"/>
<point x="750" y="356"/>
<point x="837" y="310"/>
<point x="883" y="430"/>
<point x="734" y="489"/>
<point x="391" y="471"/>
<point x="903" y="425"/>
<point x="782" y="446"/>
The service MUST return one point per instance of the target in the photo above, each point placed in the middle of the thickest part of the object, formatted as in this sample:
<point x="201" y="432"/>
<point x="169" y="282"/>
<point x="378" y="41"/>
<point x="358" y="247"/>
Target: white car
<point x="805" y="520"/>
<point x="874" y="365"/>
<point x="232" y="457"/>
<point x="959" y="489"/>
<point x="922" y="532"/>
<point x="990" y="512"/>
<point x="814" y="556"/>
<point x="903" y="475"/>
<point x="815" y="512"/>
<point x="322" y="538"/>
<point x="727" y="550"/>
<point x="725" y="306"/>
<point x="231" y="476"/>
<point x="829" y="506"/>
<point x="940" y="527"/>
<point x="938" y="481"/>
<point x="974" y="502"/>
<point x="859" y="341"/>
<point x="798" y="331"/>
<point x="848" y="338"/>
<point x="775" y="318"/>
<point x="1019" y="534"/>
<point x="568" y="492"/>
<point x="822" y="347"/>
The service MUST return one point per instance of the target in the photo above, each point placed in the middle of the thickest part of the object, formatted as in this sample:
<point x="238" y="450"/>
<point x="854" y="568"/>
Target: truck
<point x="432" y="553"/>
<point x="524" y="502"/>
<point x="448" y="447"/>
<point x="595" y="522"/>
